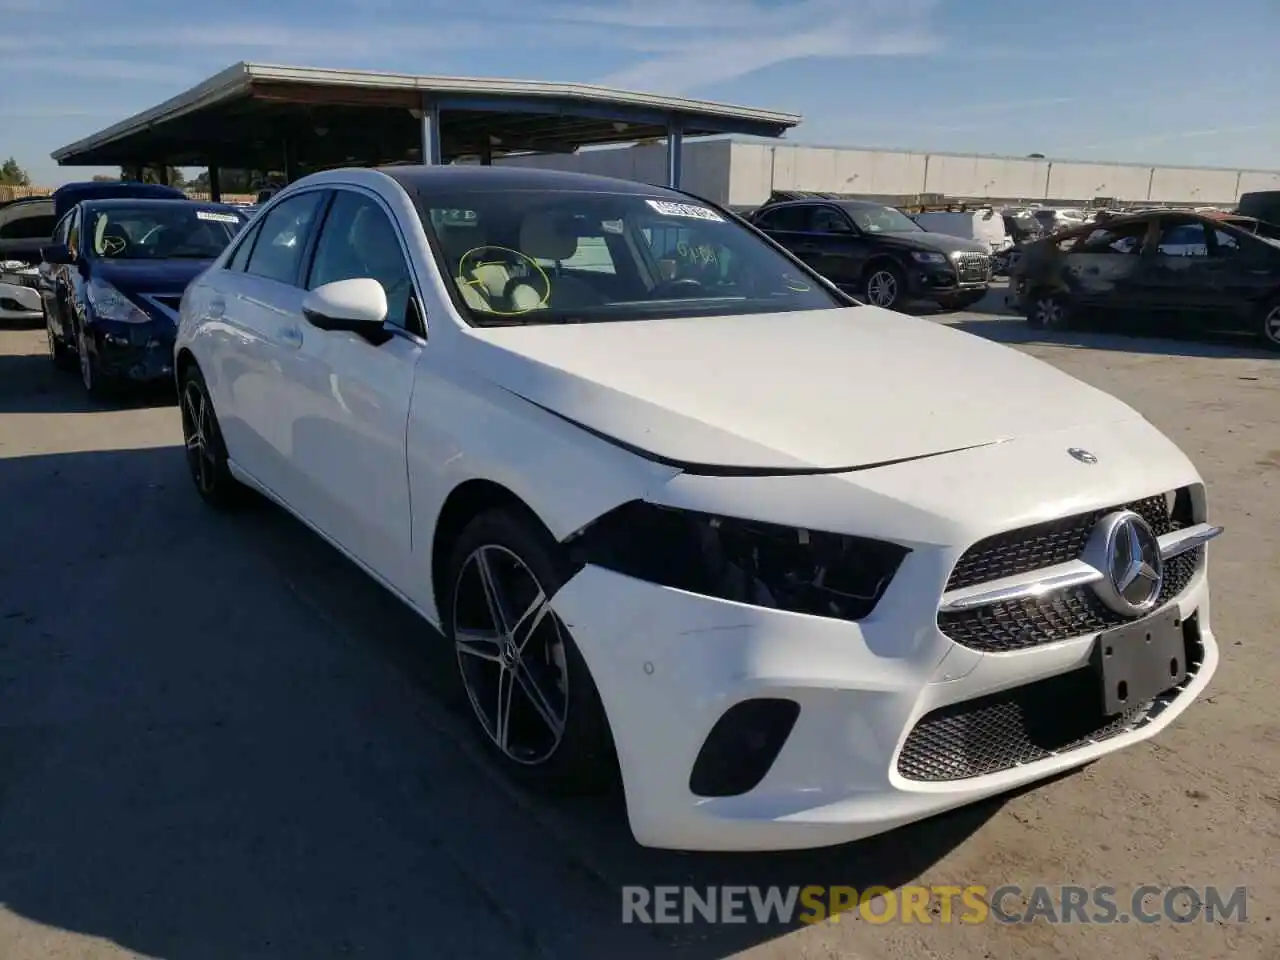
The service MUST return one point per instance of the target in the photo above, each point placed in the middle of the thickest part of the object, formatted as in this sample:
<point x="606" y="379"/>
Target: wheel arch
<point x="464" y="503"/>
<point x="879" y="260"/>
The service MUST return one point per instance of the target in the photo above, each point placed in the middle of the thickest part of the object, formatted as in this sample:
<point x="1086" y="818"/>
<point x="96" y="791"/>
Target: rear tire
<point x="206" y="452"/>
<point x="1269" y="324"/>
<point x="531" y="693"/>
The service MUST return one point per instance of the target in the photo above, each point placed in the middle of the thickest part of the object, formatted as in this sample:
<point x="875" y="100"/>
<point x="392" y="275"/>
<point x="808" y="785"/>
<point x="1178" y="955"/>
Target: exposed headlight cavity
<point x="763" y="564"/>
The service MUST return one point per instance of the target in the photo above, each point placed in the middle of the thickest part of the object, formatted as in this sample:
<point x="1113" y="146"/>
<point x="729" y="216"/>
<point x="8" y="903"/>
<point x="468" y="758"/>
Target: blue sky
<point x="1174" y="81"/>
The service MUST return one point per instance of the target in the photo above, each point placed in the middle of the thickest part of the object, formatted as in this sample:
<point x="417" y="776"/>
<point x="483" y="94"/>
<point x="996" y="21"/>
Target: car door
<point x="1180" y="281"/>
<point x="1103" y="267"/>
<point x="788" y="225"/>
<point x="257" y="306"/>
<point x="48" y="282"/>
<point x="839" y="247"/>
<point x="1250" y="276"/>
<point x="349" y="407"/>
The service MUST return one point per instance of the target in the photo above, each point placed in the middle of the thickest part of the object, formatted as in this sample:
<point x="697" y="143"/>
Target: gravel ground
<point x="218" y="740"/>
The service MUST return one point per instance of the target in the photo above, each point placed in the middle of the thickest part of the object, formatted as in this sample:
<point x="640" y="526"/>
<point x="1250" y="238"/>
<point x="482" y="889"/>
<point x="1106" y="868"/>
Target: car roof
<point x="133" y="203"/>
<point x="469" y="177"/>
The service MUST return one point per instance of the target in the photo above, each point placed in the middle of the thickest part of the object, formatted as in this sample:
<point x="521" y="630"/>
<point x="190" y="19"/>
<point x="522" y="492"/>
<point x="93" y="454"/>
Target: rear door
<point x="1181" y="280"/>
<point x="258" y="303"/>
<point x="788" y="224"/>
<point x="840" y="249"/>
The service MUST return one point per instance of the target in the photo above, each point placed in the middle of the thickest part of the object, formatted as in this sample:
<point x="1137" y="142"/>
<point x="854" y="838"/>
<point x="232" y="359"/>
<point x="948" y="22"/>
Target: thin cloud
<point x="1179" y="136"/>
<point x="698" y="45"/>
<point x="96" y="69"/>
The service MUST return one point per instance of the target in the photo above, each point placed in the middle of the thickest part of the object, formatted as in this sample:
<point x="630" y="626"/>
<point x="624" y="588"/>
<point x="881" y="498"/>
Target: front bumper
<point x="941" y="281"/>
<point x="136" y="352"/>
<point x="20" y="303"/>
<point x="669" y="664"/>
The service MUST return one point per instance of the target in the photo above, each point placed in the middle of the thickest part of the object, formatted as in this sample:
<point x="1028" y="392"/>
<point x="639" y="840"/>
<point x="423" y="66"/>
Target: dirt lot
<point x="218" y="740"/>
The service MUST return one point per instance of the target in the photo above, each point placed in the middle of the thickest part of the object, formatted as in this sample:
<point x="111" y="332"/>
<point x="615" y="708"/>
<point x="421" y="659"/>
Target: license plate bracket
<point x="1139" y="661"/>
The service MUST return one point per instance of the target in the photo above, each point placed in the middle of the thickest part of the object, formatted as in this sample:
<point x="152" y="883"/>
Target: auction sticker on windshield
<point x="669" y="209"/>
<point x="217" y="217"/>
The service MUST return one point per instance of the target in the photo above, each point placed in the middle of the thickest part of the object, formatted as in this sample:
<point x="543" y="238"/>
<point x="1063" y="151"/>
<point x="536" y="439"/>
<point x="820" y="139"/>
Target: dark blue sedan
<point x="112" y="282"/>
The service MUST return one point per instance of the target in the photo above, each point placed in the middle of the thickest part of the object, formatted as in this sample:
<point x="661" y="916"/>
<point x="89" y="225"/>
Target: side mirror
<point x="58" y="253"/>
<point x="358" y="306"/>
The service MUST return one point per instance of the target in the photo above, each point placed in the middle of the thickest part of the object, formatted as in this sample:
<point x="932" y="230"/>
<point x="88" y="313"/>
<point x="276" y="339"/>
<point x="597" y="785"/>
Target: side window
<point x="63" y="228"/>
<point x="31" y="227"/>
<point x="826" y="220"/>
<point x="240" y="257"/>
<point x="359" y="240"/>
<point x="1228" y="245"/>
<point x="1183" y="240"/>
<point x="282" y="237"/>
<point x="73" y="230"/>
<point x="1125" y="239"/>
<point x="785" y="218"/>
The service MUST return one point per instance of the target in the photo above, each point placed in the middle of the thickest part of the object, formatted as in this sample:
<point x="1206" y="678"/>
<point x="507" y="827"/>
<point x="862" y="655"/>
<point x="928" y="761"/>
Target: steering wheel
<point x="675" y="289"/>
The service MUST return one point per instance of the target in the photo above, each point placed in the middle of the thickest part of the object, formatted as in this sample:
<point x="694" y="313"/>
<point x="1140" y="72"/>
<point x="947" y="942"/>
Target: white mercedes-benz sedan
<point x="798" y="570"/>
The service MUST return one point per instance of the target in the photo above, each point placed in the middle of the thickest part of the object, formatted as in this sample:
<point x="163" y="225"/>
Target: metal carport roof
<point x="260" y="116"/>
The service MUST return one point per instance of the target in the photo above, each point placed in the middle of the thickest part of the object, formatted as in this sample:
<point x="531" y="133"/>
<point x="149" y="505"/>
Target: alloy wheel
<point x="197" y="433"/>
<point x="511" y="654"/>
<point x="882" y="288"/>
<point x="53" y="343"/>
<point x="1271" y="325"/>
<point x="1048" y="313"/>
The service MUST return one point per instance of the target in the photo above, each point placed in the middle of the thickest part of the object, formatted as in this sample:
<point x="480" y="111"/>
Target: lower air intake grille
<point x="1026" y="724"/>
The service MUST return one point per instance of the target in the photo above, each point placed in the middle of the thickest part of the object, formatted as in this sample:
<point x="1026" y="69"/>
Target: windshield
<point x="161" y="231"/>
<point x="528" y="256"/>
<point x="883" y="220"/>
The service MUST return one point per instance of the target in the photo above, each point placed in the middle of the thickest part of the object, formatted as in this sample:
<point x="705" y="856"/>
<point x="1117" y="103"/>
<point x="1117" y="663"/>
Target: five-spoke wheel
<point x="206" y="453"/>
<point x="530" y="690"/>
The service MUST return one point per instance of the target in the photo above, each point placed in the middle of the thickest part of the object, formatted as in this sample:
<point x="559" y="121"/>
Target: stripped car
<point x="1185" y="270"/>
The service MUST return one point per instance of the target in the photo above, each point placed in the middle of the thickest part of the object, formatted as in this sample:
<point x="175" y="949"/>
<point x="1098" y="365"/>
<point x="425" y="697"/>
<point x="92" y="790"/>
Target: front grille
<point x="1016" y="625"/>
<point x="973" y="267"/>
<point x="1030" y="723"/>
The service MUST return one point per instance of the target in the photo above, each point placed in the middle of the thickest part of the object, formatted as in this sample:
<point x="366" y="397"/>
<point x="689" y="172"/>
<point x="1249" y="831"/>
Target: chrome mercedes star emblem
<point x="1084" y="456"/>
<point x="1126" y="551"/>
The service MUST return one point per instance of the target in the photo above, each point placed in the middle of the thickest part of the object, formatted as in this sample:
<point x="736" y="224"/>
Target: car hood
<point x="150" y="276"/>
<point x="941" y="242"/>
<point x="787" y="392"/>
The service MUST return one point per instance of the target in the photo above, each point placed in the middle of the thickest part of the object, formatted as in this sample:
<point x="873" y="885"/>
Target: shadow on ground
<point x="29" y="383"/>
<point x="220" y="740"/>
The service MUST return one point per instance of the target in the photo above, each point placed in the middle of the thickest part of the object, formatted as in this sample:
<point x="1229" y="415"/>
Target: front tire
<point x="885" y="286"/>
<point x="1049" y="311"/>
<point x="96" y="385"/>
<point x="59" y="353"/>
<point x="205" y="450"/>
<point x="1269" y="324"/>
<point x="530" y="691"/>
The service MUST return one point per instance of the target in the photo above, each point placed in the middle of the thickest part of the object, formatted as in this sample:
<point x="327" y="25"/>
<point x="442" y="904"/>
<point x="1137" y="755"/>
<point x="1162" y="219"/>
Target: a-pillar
<point x="675" y="152"/>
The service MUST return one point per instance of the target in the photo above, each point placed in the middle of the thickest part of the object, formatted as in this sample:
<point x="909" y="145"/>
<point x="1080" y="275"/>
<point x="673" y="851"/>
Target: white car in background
<point x="800" y="570"/>
<point x="19" y="293"/>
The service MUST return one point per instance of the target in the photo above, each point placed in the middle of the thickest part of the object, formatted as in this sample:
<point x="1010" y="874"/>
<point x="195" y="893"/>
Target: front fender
<point x="566" y="476"/>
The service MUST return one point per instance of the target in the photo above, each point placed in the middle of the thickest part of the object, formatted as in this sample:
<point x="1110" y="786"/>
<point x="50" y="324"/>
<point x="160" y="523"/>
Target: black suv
<point x="877" y="253"/>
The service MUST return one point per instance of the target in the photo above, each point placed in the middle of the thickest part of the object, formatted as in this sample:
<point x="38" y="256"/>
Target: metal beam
<point x="431" y="146"/>
<point x="675" y="153"/>
<point x="215" y="183"/>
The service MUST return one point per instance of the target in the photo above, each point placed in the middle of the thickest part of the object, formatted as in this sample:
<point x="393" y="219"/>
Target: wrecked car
<point x="1182" y="270"/>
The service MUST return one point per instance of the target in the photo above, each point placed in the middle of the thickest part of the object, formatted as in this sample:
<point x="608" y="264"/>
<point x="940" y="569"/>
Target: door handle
<point x="292" y="336"/>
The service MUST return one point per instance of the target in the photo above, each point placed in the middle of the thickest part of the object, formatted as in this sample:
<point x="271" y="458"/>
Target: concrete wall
<point x="746" y="173"/>
<point x="706" y="168"/>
